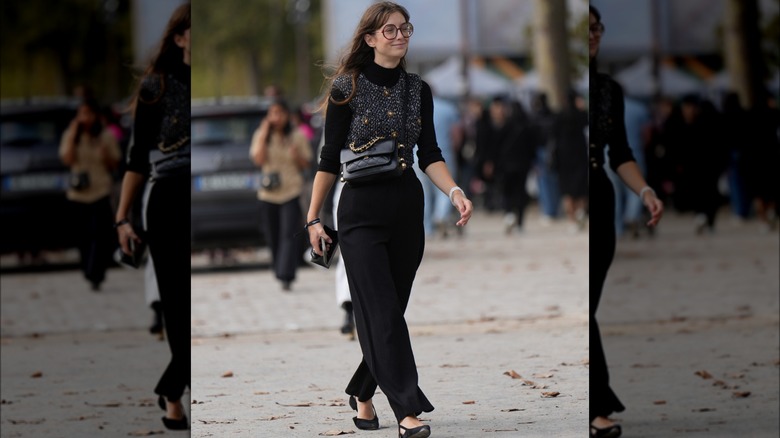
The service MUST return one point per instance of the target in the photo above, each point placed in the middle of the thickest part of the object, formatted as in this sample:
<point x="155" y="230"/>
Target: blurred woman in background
<point x="92" y="153"/>
<point x="282" y="151"/>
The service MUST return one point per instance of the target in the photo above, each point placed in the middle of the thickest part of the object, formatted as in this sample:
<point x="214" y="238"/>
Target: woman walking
<point x="92" y="153"/>
<point x="607" y="129"/>
<point x="381" y="224"/>
<point x="283" y="153"/>
<point x="161" y="153"/>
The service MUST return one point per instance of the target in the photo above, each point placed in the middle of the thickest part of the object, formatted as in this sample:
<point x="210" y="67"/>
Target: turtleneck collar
<point x="386" y="77"/>
<point x="181" y="72"/>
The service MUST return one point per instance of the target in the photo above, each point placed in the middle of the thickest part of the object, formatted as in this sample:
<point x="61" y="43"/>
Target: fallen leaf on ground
<point x="527" y="382"/>
<point x="741" y="394"/>
<point x="36" y="374"/>
<point x="499" y="430"/>
<point x="446" y="365"/>
<point x="146" y="432"/>
<point x="539" y="387"/>
<point x="262" y="393"/>
<point x="275" y="417"/>
<point x="721" y="384"/>
<point x="297" y="405"/>
<point x="512" y="374"/>
<point x="704" y="410"/>
<point x="736" y="375"/>
<point x="228" y="374"/>
<point x="512" y="410"/>
<point x="337" y="432"/>
<point x="543" y="375"/>
<point x="550" y="394"/>
<point x="703" y="374"/>
<point x="104" y="405"/>
<point x="659" y="402"/>
<point x="469" y="402"/>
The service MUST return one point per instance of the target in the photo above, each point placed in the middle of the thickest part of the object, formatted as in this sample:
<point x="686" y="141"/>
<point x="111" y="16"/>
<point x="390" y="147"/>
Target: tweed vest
<point x="377" y="112"/>
<point x="171" y="154"/>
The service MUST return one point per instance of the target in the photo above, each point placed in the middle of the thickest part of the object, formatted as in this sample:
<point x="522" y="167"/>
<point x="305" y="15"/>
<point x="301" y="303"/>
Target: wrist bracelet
<point x="121" y="222"/>
<point x="452" y="192"/>
<point x="313" y="222"/>
<point x="645" y="190"/>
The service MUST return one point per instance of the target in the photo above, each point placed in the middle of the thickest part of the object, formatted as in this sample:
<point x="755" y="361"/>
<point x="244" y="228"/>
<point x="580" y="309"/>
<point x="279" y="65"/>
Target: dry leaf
<point x="659" y="402"/>
<point x="703" y="374"/>
<point x="469" y="402"/>
<point x="146" y="432"/>
<point x="275" y="417"/>
<point x="528" y="382"/>
<point x="261" y="393"/>
<point x="550" y="394"/>
<point x="36" y="375"/>
<point x="337" y="432"/>
<point x="704" y="410"/>
<point x="543" y="376"/>
<point x="512" y="374"/>
<point x="228" y="374"/>
<point x="741" y="394"/>
<point x="539" y="387"/>
<point x="512" y="410"/>
<point x="721" y="384"/>
<point x="297" y="405"/>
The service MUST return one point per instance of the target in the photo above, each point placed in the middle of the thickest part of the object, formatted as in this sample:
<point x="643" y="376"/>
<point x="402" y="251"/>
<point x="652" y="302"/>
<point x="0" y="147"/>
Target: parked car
<point x="34" y="211"/>
<point x="225" y="211"/>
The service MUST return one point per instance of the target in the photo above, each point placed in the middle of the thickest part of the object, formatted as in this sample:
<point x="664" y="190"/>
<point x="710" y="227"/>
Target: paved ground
<point x="482" y="306"/>
<point x="683" y="304"/>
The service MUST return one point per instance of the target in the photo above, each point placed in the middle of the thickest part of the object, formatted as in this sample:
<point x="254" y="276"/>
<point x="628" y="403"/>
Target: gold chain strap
<point x="364" y="147"/>
<point x="174" y="146"/>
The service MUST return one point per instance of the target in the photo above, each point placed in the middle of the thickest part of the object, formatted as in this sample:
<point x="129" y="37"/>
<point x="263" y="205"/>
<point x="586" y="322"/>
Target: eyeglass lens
<point x="390" y="31"/>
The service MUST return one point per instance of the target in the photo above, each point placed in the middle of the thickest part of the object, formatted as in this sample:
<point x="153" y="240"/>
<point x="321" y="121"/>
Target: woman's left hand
<point x="655" y="206"/>
<point x="464" y="206"/>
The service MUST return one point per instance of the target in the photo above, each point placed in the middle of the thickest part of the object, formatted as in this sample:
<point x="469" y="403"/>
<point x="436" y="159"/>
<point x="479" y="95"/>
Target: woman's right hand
<point x="126" y="233"/>
<point x="317" y="231"/>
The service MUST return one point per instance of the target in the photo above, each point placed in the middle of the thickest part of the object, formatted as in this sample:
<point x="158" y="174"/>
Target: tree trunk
<point x="551" y="51"/>
<point x="744" y="60"/>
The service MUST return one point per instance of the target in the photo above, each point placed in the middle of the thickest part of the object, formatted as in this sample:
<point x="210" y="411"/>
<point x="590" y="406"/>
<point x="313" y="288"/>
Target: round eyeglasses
<point x="391" y="31"/>
<point x="597" y="29"/>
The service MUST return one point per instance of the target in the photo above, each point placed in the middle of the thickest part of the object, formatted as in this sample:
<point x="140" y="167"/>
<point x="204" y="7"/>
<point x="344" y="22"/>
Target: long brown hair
<point x="360" y="53"/>
<point x="168" y="54"/>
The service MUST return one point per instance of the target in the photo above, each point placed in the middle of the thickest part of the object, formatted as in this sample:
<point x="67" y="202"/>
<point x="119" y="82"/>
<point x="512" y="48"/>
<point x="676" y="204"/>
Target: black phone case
<point x="134" y="260"/>
<point x="328" y="257"/>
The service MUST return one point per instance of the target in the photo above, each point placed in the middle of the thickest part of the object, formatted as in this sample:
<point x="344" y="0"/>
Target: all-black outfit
<point x="607" y="128"/>
<point x="161" y="149"/>
<point x="570" y="152"/>
<point x="381" y="227"/>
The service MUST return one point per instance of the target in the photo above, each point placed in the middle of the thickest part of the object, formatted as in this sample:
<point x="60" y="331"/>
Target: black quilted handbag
<point x="377" y="160"/>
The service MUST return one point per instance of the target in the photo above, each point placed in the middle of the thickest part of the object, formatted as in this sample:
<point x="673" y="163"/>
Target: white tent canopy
<point x="447" y="80"/>
<point x="637" y="80"/>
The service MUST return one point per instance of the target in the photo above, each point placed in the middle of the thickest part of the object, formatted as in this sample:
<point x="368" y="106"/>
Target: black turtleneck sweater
<point x="339" y="117"/>
<point x="150" y="110"/>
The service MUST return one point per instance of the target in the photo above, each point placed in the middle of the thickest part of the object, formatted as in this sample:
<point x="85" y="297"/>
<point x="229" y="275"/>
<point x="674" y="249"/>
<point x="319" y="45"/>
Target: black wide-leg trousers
<point x="603" y="401"/>
<point x="382" y="239"/>
<point x="168" y="235"/>
<point x="280" y="223"/>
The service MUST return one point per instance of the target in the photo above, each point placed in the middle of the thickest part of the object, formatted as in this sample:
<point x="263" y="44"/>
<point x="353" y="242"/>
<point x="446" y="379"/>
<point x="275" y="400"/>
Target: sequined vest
<point x="601" y="117"/>
<point x="377" y="112"/>
<point x="171" y="156"/>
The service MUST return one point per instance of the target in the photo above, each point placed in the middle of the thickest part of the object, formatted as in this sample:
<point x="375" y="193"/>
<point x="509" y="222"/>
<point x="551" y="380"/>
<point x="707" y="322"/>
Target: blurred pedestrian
<point x="514" y="158"/>
<point x="380" y="223"/>
<point x="570" y="153"/>
<point x="493" y="133"/>
<point x="438" y="209"/>
<point x="161" y="153"/>
<point x="701" y="158"/>
<point x="92" y="153"/>
<point x="283" y="153"/>
<point x="761" y="157"/>
<point x="542" y="118"/>
<point x="607" y="128"/>
<point x="628" y="206"/>
<point x="465" y="146"/>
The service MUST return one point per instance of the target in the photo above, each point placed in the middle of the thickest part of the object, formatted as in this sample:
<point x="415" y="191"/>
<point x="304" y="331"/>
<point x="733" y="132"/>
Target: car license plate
<point x="35" y="182"/>
<point x="227" y="181"/>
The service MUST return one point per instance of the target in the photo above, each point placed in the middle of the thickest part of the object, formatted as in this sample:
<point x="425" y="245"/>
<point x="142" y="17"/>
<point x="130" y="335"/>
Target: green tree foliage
<point x="50" y="47"/>
<point x="242" y="46"/>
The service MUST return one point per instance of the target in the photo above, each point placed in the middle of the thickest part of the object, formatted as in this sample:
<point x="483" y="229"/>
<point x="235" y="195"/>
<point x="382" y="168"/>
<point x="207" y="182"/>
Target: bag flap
<point x="383" y="147"/>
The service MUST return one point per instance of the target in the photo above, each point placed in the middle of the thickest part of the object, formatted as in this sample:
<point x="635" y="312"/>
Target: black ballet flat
<point x="423" y="431"/>
<point x="613" y="431"/>
<point x="172" y="424"/>
<point x="360" y="423"/>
